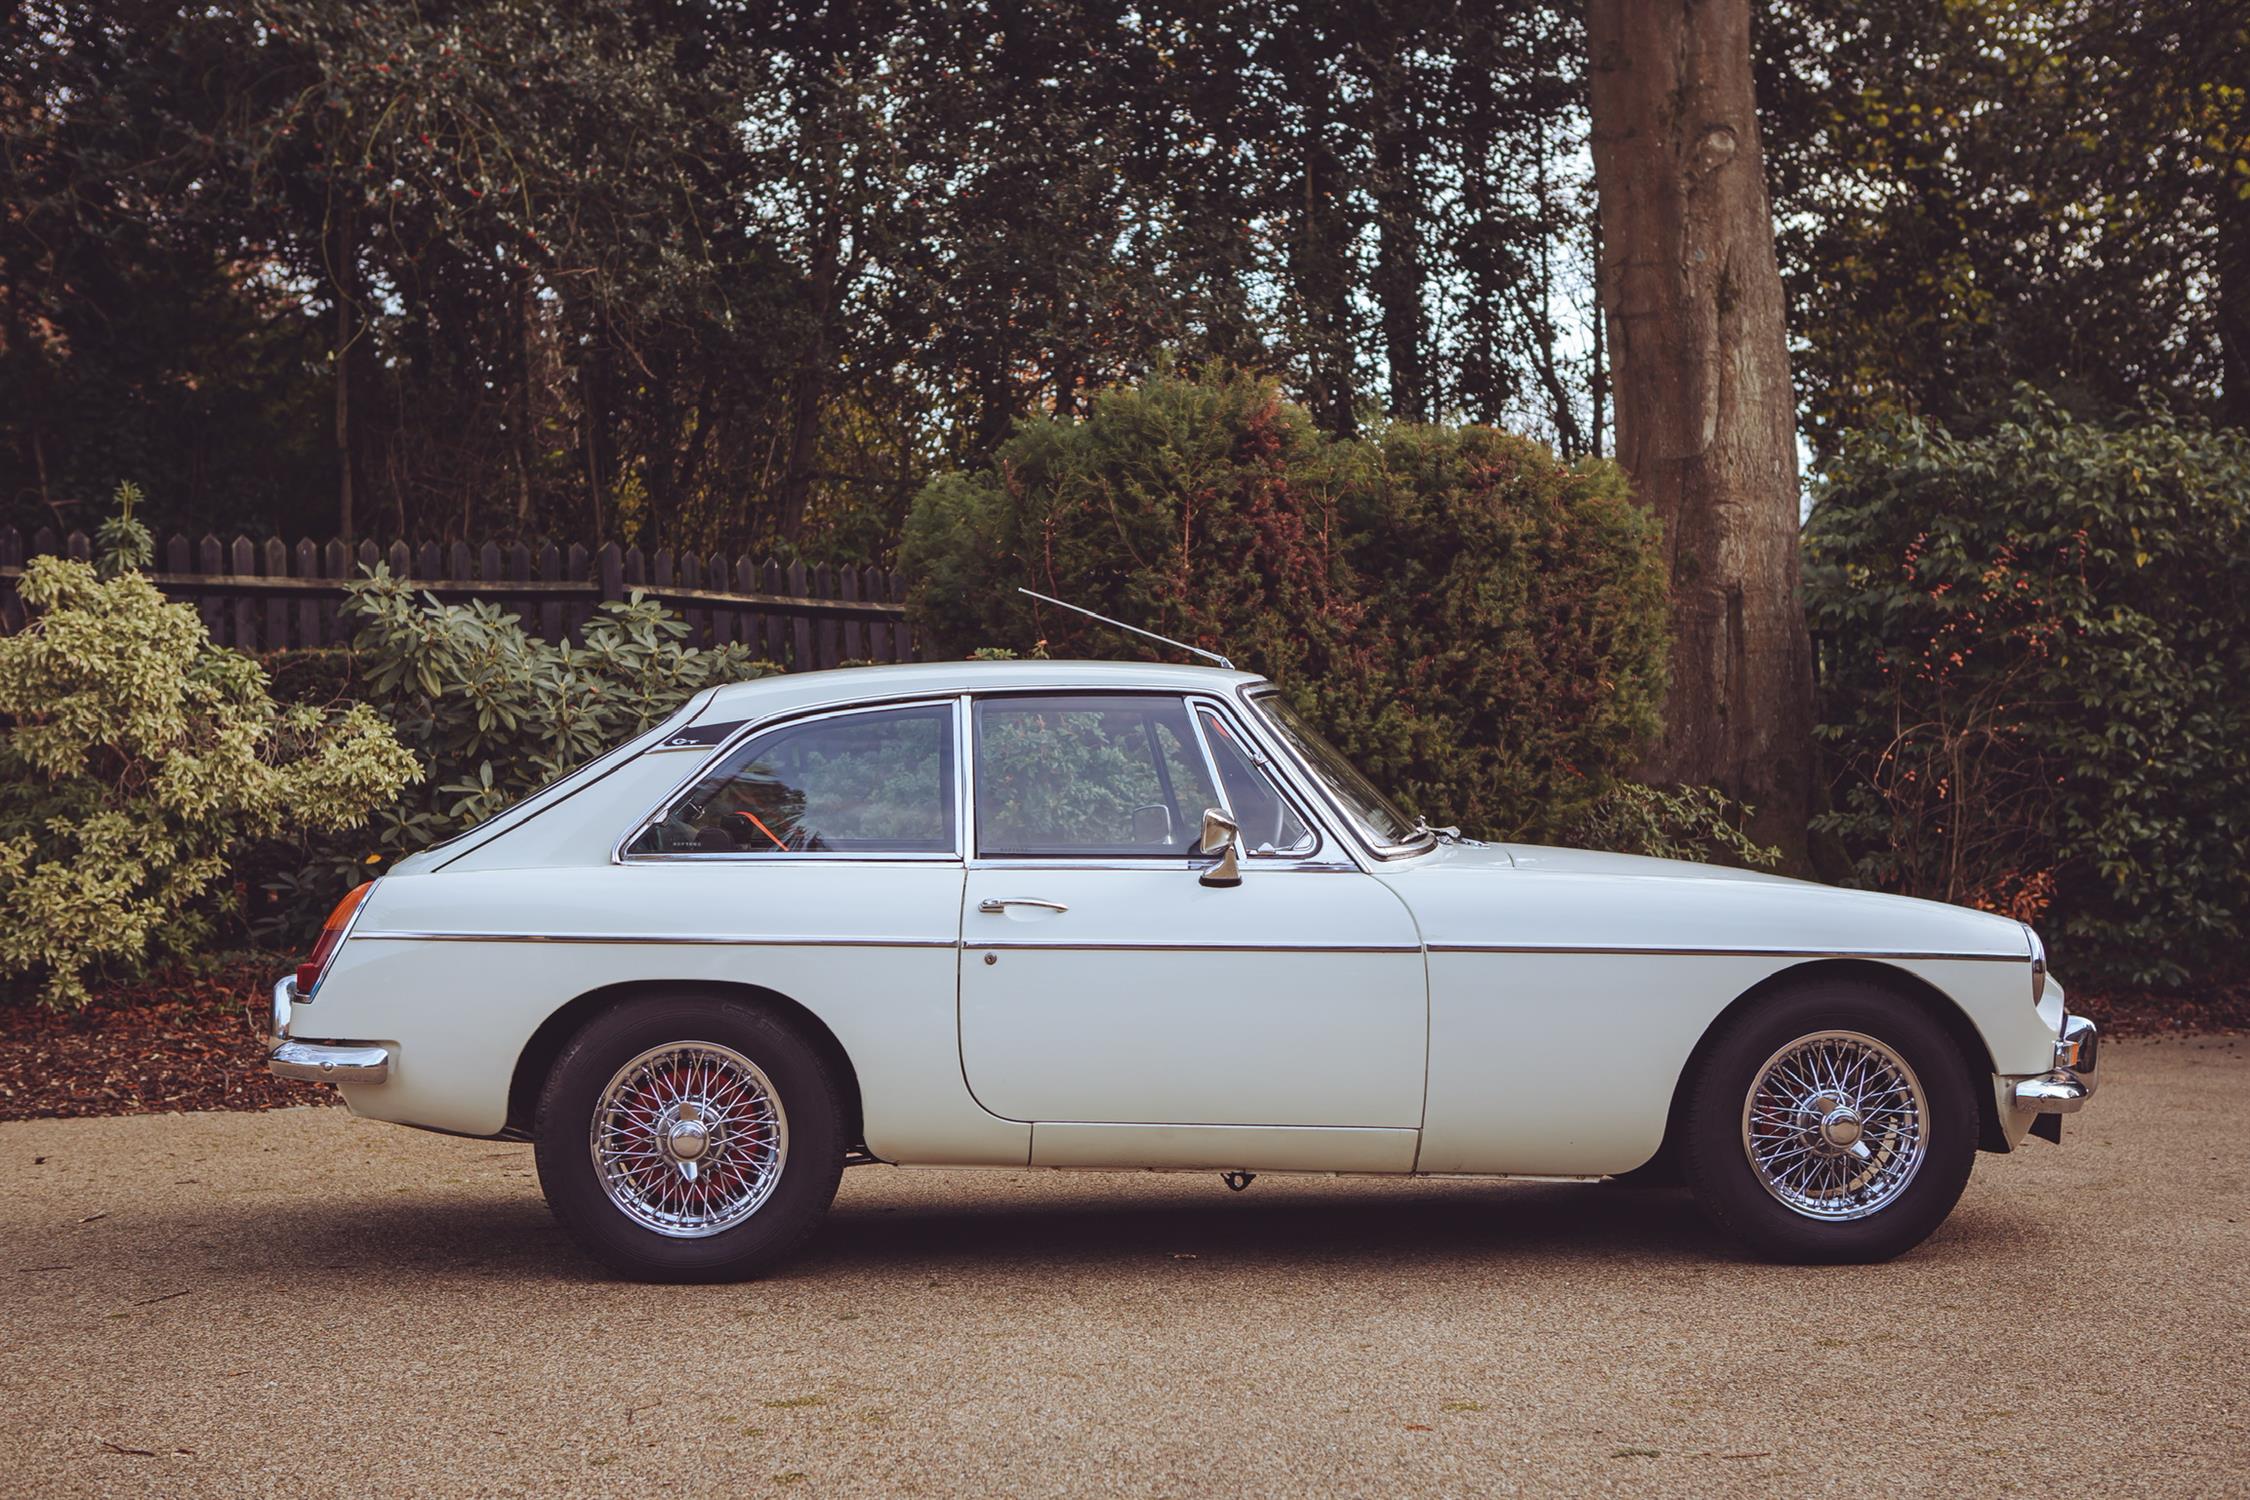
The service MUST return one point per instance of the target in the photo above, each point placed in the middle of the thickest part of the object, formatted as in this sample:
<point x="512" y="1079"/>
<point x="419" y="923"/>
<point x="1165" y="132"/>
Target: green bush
<point x="494" y="712"/>
<point x="134" y="757"/>
<point x="2033" y="651"/>
<point x="1479" y="626"/>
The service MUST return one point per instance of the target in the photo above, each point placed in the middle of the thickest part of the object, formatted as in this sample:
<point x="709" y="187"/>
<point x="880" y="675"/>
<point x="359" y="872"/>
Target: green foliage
<point x="135" y="756"/>
<point x="2033" y="650"/>
<point x="1480" y="627"/>
<point x="494" y="712"/>
<point x="1687" y="822"/>
<point x="1975" y="193"/>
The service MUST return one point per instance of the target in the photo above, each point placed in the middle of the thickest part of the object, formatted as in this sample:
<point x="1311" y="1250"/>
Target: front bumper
<point x="319" y="1062"/>
<point x="2071" y="1082"/>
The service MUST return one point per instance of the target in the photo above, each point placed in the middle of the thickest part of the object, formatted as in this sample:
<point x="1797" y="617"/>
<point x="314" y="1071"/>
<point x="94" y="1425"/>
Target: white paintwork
<point x="1462" y="1010"/>
<point x="1199" y="1031"/>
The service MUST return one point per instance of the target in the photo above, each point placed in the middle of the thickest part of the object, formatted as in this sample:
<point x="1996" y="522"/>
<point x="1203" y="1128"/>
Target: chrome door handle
<point x="998" y="905"/>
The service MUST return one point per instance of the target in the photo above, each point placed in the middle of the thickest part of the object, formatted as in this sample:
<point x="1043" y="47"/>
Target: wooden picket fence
<point x="267" y="596"/>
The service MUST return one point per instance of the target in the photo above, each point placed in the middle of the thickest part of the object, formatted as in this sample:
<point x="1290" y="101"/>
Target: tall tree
<point x="1700" y="371"/>
<point x="1987" y="192"/>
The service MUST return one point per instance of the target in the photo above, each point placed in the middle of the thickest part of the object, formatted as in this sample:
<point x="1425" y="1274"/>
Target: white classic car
<point x="1119" y="915"/>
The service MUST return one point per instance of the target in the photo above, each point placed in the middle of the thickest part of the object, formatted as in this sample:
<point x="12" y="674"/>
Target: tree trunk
<point x="1699" y="366"/>
<point x="1399" y="276"/>
<point x="1320" y="249"/>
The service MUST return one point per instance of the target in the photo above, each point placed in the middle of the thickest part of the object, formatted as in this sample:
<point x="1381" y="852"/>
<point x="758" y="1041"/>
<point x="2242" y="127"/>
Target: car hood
<point x="1540" y="897"/>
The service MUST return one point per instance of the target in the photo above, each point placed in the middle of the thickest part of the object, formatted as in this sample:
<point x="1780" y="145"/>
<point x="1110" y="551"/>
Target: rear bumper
<point x="319" y="1062"/>
<point x="2065" y="1088"/>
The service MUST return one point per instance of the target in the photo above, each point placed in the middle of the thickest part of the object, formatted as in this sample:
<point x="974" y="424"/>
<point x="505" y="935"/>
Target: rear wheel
<point x="690" y="1139"/>
<point x="1837" y="1124"/>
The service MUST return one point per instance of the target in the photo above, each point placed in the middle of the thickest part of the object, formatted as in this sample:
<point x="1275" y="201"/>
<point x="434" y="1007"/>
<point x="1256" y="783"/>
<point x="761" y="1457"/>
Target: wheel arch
<point x="1906" y="985"/>
<point x="547" y="1042"/>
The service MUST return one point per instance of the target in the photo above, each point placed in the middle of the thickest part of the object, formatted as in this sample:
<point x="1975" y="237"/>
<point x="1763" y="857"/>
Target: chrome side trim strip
<point x="663" y="939"/>
<point x="975" y="945"/>
<point x="1623" y="951"/>
<point x="813" y="940"/>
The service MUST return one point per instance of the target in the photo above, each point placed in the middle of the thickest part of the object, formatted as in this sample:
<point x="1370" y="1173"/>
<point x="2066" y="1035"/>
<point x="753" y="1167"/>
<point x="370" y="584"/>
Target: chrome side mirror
<point x="1223" y="837"/>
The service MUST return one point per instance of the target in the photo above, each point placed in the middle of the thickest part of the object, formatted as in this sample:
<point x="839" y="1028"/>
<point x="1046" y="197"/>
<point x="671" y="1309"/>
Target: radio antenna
<point x="1121" y="625"/>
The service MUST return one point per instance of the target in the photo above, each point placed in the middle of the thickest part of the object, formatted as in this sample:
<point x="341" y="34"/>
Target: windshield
<point x="1380" y="822"/>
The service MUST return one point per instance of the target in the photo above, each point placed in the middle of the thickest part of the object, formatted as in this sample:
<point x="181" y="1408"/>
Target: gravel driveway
<point x="299" y="1303"/>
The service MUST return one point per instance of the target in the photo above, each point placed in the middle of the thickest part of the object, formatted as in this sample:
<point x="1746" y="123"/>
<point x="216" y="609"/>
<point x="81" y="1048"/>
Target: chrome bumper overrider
<point x="2066" y="1088"/>
<point x="319" y="1062"/>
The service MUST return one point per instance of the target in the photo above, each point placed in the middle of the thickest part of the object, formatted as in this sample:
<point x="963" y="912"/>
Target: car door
<point x="1140" y="1017"/>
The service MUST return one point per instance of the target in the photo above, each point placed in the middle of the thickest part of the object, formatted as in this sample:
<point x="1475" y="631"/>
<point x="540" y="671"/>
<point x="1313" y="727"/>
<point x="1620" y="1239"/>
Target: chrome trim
<point x="976" y="945"/>
<point x="1223" y="837"/>
<point x="795" y="856"/>
<point x="2052" y="1094"/>
<point x="689" y="1139"/>
<point x="2065" y="1089"/>
<point x="1622" y="951"/>
<point x="322" y="1062"/>
<point x="1262" y="764"/>
<point x="1153" y="862"/>
<point x="965" y="772"/>
<point x="1835" y="1125"/>
<point x="994" y="906"/>
<point x="1250" y="693"/>
<point x="284" y="1004"/>
<point x="507" y="820"/>
<point x="662" y="939"/>
<point x="751" y="729"/>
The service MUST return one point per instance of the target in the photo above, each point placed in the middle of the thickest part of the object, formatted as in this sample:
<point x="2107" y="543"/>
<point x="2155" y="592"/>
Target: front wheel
<point x="690" y="1139"/>
<point x="1833" y="1125"/>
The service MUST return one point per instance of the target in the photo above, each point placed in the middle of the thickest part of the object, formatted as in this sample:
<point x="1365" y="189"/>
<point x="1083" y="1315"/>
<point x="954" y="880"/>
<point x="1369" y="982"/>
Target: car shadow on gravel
<point x="1397" y="1229"/>
<point x="1532" y="1224"/>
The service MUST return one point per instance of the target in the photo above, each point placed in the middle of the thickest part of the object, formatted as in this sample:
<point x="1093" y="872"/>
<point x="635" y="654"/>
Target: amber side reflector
<point x="331" y="938"/>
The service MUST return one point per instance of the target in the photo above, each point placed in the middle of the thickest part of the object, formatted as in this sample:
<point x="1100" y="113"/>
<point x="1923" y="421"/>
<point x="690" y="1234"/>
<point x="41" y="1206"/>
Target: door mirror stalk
<point x="1221" y="836"/>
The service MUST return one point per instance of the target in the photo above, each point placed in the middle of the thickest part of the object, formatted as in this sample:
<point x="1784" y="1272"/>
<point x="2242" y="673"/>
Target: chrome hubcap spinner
<point x="1834" y="1126"/>
<point x="689" y="1139"/>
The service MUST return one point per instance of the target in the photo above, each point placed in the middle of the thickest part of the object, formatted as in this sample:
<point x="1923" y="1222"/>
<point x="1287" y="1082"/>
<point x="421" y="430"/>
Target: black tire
<point x="1718" y="1165"/>
<point x="810" y="1097"/>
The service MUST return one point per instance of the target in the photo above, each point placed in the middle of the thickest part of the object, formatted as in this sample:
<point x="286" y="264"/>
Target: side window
<point x="1091" y="775"/>
<point x="1270" y="826"/>
<point x="865" y="783"/>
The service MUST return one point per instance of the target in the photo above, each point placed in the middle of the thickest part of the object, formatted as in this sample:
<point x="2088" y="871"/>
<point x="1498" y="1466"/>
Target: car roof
<point x="787" y="691"/>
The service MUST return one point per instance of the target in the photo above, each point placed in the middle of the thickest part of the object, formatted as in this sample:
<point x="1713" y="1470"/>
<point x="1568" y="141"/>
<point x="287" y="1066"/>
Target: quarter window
<point x="1093" y="775"/>
<point x="879" y="782"/>
<point x="1270" y="826"/>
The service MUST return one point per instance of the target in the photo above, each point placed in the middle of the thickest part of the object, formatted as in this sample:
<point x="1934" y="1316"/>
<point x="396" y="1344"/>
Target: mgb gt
<point x="1121" y="915"/>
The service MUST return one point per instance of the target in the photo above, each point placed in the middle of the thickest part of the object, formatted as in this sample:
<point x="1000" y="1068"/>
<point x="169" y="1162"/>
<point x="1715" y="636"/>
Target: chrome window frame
<point x="1312" y="861"/>
<point x="1250" y="693"/>
<point x="561" y="789"/>
<point x="750" y="730"/>
<point x="1260" y="765"/>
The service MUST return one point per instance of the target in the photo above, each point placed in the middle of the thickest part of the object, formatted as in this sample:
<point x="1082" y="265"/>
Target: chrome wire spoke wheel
<point x="1835" y="1125"/>
<point x="689" y="1139"/>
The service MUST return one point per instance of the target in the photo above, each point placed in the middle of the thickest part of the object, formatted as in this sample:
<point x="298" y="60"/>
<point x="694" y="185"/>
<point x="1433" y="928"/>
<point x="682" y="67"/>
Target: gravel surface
<point x="298" y="1303"/>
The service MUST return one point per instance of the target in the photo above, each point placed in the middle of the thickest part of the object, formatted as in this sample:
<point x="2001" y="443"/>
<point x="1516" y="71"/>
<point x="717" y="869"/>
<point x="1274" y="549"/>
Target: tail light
<point x="311" y="971"/>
